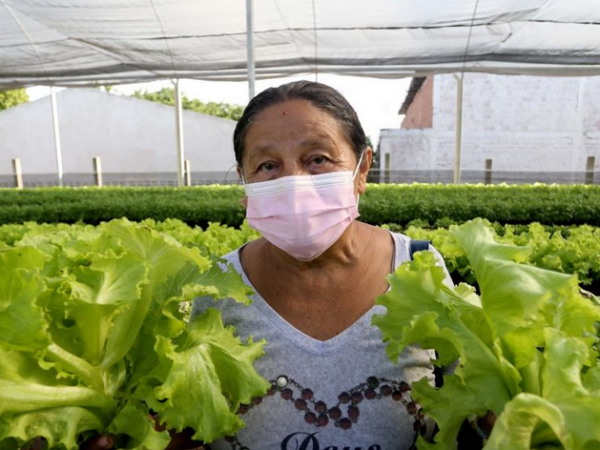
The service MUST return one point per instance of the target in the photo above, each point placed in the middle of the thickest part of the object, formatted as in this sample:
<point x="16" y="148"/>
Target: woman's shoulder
<point x="399" y="237"/>
<point x="405" y="247"/>
<point x="413" y="245"/>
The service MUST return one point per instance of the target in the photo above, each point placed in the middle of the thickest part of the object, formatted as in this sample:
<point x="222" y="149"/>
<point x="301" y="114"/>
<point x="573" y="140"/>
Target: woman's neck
<point x="352" y="246"/>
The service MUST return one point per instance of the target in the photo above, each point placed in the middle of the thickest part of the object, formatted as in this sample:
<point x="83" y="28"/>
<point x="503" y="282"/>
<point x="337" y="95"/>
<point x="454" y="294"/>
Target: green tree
<point x="15" y="97"/>
<point x="166" y="96"/>
<point x="103" y="87"/>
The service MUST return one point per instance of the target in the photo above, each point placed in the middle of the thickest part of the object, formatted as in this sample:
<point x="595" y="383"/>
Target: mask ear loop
<point x="356" y="173"/>
<point x="242" y="174"/>
<point x="358" y="166"/>
<point x="244" y="200"/>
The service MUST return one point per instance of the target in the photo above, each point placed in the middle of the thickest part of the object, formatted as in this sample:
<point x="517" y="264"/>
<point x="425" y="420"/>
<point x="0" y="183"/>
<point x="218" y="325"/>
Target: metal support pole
<point x="250" y="48"/>
<point x="179" y="131"/>
<point x="458" y="139"/>
<point x="18" y="173"/>
<point x="59" y="166"/>
<point x="97" y="171"/>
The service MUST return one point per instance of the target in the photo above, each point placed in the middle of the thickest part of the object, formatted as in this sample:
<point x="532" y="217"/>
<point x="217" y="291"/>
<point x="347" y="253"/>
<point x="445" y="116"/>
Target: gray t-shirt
<point x="342" y="393"/>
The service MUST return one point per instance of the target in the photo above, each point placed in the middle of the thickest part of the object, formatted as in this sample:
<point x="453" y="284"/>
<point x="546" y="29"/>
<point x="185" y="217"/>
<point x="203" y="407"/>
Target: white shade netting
<point x="79" y="42"/>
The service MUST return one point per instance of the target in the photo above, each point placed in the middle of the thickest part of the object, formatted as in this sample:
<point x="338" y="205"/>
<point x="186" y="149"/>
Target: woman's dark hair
<point x="320" y="95"/>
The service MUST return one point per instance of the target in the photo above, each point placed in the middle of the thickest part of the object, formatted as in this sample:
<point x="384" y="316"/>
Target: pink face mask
<point x="303" y="215"/>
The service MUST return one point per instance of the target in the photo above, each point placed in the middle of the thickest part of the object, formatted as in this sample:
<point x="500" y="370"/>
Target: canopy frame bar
<point x="179" y="133"/>
<point x="57" y="143"/>
<point x="250" y="49"/>
<point x="459" y="123"/>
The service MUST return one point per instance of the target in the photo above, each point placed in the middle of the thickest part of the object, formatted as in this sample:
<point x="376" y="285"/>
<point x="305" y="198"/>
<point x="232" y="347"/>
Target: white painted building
<point x="543" y="129"/>
<point x="135" y="139"/>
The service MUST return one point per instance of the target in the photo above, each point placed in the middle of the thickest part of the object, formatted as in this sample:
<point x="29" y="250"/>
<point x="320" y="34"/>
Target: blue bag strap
<point x="417" y="246"/>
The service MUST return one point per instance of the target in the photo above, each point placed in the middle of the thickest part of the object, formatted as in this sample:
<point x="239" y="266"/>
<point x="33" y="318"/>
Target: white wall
<point x="522" y="123"/>
<point x="130" y="135"/>
<point x="409" y="149"/>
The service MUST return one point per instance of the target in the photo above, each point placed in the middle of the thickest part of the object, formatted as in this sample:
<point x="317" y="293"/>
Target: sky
<point x="376" y="101"/>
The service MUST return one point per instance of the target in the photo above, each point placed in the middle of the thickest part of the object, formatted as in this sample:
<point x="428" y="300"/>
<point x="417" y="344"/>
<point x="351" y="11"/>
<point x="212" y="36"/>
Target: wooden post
<point x="188" y="173"/>
<point x="97" y="171"/>
<point x="589" y="170"/>
<point x="18" y="173"/>
<point x="386" y="178"/>
<point x="488" y="171"/>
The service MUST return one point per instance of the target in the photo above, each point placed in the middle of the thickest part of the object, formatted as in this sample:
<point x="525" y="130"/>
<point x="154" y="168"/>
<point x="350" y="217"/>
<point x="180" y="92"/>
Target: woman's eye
<point x="266" y="167"/>
<point x="319" y="160"/>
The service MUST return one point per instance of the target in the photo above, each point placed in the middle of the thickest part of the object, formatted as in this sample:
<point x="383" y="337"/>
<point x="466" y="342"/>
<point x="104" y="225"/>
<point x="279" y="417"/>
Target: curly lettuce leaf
<point x="219" y="283"/>
<point x="94" y="296"/>
<point x="204" y="376"/>
<point x="22" y="323"/>
<point x="520" y="300"/>
<point x="61" y="427"/>
<point x="164" y="258"/>
<point x="37" y="402"/>
<point x="135" y="420"/>
<point x="422" y="309"/>
<point x="566" y="413"/>
<point x="527" y="347"/>
<point x="168" y="317"/>
<point x="91" y="319"/>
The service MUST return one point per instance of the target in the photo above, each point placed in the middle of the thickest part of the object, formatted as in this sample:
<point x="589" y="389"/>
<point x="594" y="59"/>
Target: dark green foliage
<point x="166" y="96"/>
<point x="420" y="205"/>
<point x="442" y="205"/>
<point x="11" y="98"/>
<point x="195" y="206"/>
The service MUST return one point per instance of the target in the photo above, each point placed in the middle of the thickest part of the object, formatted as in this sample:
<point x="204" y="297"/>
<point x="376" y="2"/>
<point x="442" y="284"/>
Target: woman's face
<point x="297" y="138"/>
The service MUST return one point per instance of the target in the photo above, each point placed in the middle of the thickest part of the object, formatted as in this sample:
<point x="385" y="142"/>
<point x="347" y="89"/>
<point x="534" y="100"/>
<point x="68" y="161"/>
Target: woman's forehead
<point x="295" y="110"/>
<point x="297" y="120"/>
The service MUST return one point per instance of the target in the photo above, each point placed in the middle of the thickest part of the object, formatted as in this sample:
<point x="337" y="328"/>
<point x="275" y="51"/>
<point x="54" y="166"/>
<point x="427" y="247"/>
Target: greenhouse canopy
<point x="86" y="42"/>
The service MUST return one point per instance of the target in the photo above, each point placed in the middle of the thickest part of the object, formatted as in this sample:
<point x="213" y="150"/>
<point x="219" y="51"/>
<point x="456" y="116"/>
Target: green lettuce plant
<point x="526" y="346"/>
<point x="95" y="337"/>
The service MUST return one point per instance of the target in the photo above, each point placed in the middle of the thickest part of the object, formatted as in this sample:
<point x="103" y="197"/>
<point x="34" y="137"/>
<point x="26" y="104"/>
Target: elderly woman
<point x="316" y="272"/>
<point x="303" y="158"/>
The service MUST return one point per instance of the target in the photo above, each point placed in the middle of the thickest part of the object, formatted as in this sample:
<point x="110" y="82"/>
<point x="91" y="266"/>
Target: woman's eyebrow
<point x="320" y="141"/>
<point x="259" y="150"/>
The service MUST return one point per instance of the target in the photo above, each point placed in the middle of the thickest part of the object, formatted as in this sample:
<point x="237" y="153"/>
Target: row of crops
<point x="96" y="335"/>
<point x="428" y="205"/>
<point x="566" y="249"/>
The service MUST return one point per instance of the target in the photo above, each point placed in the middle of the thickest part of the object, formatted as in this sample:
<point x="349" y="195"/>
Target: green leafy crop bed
<point x="397" y="204"/>
<point x="567" y="249"/>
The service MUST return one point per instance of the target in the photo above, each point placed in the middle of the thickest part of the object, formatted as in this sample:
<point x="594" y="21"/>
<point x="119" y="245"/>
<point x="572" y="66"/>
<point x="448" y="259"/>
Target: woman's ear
<point x="244" y="199"/>
<point x="364" y="168"/>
